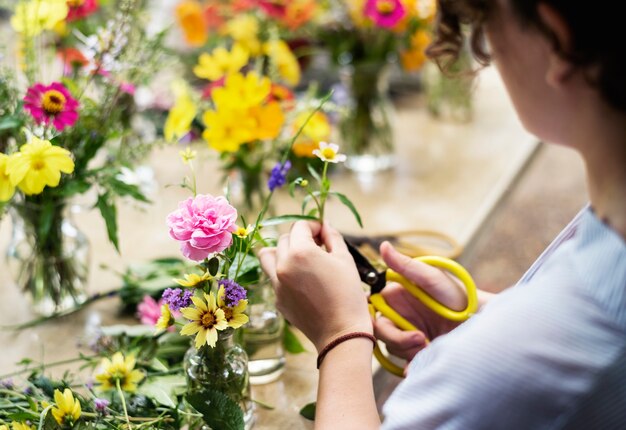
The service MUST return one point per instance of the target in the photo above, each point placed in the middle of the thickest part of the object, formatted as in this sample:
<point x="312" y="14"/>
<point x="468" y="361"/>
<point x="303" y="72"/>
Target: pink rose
<point x="203" y="225"/>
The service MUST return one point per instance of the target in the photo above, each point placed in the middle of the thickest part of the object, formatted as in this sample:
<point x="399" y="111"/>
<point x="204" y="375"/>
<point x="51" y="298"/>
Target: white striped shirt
<point x="528" y="358"/>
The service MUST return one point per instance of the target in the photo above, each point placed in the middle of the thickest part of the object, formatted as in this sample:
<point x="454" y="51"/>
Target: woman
<point x="533" y="354"/>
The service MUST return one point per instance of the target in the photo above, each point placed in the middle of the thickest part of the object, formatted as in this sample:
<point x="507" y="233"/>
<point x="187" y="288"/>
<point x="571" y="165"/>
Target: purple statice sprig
<point x="233" y="292"/>
<point x="177" y="298"/>
<point x="278" y="175"/>
<point x="101" y="405"/>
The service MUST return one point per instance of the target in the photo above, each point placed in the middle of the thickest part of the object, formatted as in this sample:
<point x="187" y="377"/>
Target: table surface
<point x="449" y="177"/>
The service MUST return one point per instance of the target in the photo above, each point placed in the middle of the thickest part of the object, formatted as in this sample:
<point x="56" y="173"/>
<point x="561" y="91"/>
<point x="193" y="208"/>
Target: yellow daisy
<point x="242" y="92"/>
<point x="285" y="63"/>
<point x="34" y="16"/>
<point x="119" y="369"/>
<point x="181" y="115"/>
<point x="7" y="189"/>
<point x="19" y="426"/>
<point x="206" y="319"/>
<point x="243" y="232"/>
<point x="165" y="320"/>
<point x="226" y="130"/>
<point x="192" y="280"/>
<point x="37" y="165"/>
<point x="67" y="409"/>
<point x="234" y="316"/>
<point x="221" y="62"/>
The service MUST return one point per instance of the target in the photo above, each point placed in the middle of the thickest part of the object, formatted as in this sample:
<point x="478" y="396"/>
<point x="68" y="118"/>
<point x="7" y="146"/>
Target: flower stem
<point x="323" y="191"/>
<point x="121" y="393"/>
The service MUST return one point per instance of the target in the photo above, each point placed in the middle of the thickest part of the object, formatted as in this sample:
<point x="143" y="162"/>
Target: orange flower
<point x="190" y="16"/>
<point x="299" y="12"/>
<point x="269" y="119"/>
<point x="415" y="57"/>
<point x="72" y="58"/>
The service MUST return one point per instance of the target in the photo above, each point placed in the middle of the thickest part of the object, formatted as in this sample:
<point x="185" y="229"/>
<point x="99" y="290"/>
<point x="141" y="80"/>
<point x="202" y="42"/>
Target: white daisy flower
<point x="329" y="152"/>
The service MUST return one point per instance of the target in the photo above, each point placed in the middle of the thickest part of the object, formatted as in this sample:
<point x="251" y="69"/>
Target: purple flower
<point x="7" y="384"/>
<point x="233" y="292"/>
<point x="101" y="405"/>
<point x="177" y="298"/>
<point x="278" y="176"/>
<point x="28" y="391"/>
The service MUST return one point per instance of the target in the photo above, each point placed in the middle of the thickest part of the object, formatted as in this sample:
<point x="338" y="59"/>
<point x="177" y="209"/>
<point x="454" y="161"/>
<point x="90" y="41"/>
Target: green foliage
<point x="308" y="411"/>
<point x="109" y="214"/>
<point x="291" y="342"/>
<point x="218" y="411"/>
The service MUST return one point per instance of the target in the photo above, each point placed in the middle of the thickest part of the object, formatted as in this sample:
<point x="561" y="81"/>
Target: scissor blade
<point x="367" y="272"/>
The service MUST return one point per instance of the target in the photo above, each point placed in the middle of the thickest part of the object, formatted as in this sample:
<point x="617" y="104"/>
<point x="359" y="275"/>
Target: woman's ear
<point x="559" y="67"/>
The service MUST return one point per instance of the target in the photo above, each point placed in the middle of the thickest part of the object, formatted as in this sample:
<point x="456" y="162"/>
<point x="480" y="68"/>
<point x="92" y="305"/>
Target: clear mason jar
<point x="223" y="368"/>
<point x="366" y="123"/>
<point x="48" y="256"/>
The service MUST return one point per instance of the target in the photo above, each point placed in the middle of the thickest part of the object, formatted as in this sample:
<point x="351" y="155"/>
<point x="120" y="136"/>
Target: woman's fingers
<point x="267" y="257"/>
<point x="403" y="344"/>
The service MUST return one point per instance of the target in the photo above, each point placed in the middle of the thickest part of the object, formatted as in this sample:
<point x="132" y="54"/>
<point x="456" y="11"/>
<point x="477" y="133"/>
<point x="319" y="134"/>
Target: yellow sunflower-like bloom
<point x="242" y="92"/>
<point x="15" y="425"/>
<point x="242" y="232"/>
<point x="165" y="320"/>
<point x="37" y="165"/>
<point x="206" y="319"/>
<point x="119" y="369"/>
<point x="34" y="16"/>
<point x="226" y="130"/>
<point x="269" y="120"/>
<point x="283" y="60"/>
<point x="244" y="29"/>
<point x="181" y="115"/>
<point x="234" y="315"/>
<point x="221" y="62"/>
<point x="67" y="409"/>
<point x="7" y="189"/>
<point x="192" y="279"/>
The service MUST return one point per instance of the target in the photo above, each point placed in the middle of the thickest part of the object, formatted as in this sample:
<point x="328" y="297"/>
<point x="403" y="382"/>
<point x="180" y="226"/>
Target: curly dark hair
<point x="597" y="46"/>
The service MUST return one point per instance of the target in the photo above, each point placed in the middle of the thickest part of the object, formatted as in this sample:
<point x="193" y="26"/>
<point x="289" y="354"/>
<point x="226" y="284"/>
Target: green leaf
<point x="249" y="272"/>
<point x="164" y="389"/>
<point x="138" y="330"/>
<point x="109" y="213"/>
<point x="287" y="218"/>
<point x="121" y="188"/>
<point x="350" y="206"/>
<point x="213" y="266"/>
<point x="314" y="173"/>
<point x="218" y="410"/>
<point x="23" y="416"/>
<point x="45" y="221"/>
<point x="291" y="342"/>
<point x="76" y="186"/>
<point x="308" y="411"/>
<point x="10" y="123"/>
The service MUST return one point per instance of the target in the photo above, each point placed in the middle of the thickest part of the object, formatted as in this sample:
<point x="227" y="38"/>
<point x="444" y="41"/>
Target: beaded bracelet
<point x="341" y="339"/>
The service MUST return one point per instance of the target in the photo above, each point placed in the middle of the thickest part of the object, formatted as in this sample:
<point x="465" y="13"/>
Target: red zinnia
<point x="51" y="104"/>
<point x="80" y="9"/>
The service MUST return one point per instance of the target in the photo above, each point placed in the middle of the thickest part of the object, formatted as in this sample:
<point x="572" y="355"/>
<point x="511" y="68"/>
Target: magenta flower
<point x="51" y="104"/>
<point x="204" y="225"/>
<point x="385" y="13"/>
<point x="80" y="9"/>
<point x="149" y="310"/>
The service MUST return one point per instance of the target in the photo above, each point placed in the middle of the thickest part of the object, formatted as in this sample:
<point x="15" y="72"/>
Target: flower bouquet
<point x="68" y="128"/>
<point x="364" y="38"/>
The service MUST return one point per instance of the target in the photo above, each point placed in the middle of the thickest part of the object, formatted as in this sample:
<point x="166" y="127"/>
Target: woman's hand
<point x="317" y="285"/>
<point x="435" y="282"/>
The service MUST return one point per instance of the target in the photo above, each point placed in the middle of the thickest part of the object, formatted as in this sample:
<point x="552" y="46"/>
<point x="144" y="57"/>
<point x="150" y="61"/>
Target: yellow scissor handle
<point x="378" y="303"/>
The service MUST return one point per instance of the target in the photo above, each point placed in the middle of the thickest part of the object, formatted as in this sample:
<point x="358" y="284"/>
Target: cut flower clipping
<point x="329" y="152"/>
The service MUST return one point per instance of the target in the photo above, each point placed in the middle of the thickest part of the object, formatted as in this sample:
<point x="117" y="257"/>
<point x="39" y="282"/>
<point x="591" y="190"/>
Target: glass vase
<point x="262" y="336"/>
<point x="366" y="124"/>
<point x="48" y="256"/>
<point x="222" y="369"/>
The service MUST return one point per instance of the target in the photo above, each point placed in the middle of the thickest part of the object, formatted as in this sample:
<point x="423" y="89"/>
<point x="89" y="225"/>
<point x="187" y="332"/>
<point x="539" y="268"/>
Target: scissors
<point x="378" y="279"/>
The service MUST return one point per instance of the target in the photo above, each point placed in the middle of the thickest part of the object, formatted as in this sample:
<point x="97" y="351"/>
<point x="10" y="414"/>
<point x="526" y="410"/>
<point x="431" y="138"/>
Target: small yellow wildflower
<point x="221" y="62"/>
<point x="242" y="92"/>
<point x="244" y="29"/>
<point x="7" y="189"/>
<point x="329" y="152"/>
<point x="191" y="279"/>
<point x="15" y="425"/>
<point x="243" y="232"/>
<point x="283" y="60"/>
<point x="34" y="16"/>
<point x="234" y="315"/>
<point x="187" y="155"/>
<point x="304" y="183"/>
<point x="226" y="130"/>
<point x="206" y="319"/>
<point x="181" y="115"/>
<point x="119" y="369"/>
<point x="165" y="320"/>
<point x="67" y="410"/>
<point x="37" y="165"/>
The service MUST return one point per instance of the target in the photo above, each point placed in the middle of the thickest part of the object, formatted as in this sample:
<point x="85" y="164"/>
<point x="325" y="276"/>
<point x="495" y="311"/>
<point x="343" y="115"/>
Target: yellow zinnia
<point x="283" y="60"/>
<point x="221" y="62"/>
<point x="206" y="319"/>
<point x="180" y="117"/>
<point x="242" y="92"/>
<point x="34" y="16"/>
<point x="165" y="320"/>
<point x="37" y="165"/>
<point x="7" y="189"/>
<point x="67" y="410"/>
<point x="119" y="369"/>
<point x="226" y="130"/>
<point x="234" y="315"/>
<point x="191" y="279"/>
